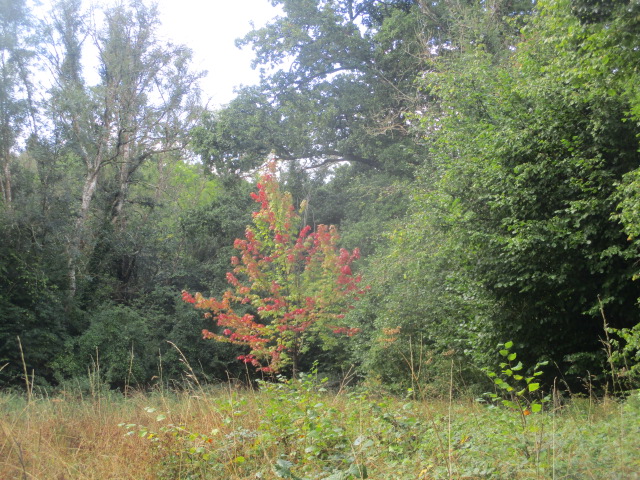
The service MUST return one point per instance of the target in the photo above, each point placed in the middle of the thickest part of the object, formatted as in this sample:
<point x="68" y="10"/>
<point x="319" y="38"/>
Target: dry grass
<point x="247" y="433"/>
<point x="76" y="437"/>
<point x="69" y="438"/>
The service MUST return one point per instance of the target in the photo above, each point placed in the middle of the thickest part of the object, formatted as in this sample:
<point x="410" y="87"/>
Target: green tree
<point x="343" y="99"/>
<point x="30" y="304"/>
<point x="17" y="106"/>
<point x="140" y="107"/>
<point x="528" y="150"/>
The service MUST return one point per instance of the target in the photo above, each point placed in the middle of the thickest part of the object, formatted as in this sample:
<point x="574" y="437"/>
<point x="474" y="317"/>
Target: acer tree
<point x="289" y="285"/>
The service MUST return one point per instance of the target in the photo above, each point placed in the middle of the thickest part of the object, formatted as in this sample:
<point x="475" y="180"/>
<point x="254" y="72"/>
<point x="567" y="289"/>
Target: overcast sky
<point x="209" y="28"/>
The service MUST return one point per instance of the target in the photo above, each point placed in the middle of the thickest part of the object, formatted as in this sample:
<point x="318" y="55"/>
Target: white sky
<point x="209" y="28"/>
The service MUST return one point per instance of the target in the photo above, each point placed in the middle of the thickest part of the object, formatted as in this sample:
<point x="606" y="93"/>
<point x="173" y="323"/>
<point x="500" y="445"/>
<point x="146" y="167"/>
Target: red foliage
<point x="296" y="282"/>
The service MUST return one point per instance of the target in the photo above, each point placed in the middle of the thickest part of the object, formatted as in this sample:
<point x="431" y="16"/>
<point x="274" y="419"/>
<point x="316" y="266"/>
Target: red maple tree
<point x="288" y="284"/>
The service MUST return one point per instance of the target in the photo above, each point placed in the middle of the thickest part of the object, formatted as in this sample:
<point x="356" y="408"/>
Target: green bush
<point x="117" y="347"/>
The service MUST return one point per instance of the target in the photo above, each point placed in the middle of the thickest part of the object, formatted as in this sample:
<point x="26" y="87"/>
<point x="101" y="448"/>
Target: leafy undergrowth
<point x="299" y="430"/>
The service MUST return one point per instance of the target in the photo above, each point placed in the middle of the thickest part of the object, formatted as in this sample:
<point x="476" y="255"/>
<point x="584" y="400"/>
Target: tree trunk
<point x="6" y="180"/>
<point x="124" y="175"/>
<point x="78" y="241"/>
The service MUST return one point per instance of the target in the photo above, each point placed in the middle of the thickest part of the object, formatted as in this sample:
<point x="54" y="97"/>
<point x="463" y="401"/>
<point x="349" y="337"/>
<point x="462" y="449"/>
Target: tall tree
<point x="336" y="81"/>
<point x="17" y="109"/>
<point x="140" y="107"/>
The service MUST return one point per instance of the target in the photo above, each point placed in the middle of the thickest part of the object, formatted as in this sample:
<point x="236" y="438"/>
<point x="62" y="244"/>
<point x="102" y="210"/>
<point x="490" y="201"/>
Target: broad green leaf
<point x="358" y="471"/>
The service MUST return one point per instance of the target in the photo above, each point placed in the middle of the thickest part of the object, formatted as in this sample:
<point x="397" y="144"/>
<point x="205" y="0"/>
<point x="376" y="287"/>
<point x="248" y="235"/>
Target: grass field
<point x="299" y="430"/>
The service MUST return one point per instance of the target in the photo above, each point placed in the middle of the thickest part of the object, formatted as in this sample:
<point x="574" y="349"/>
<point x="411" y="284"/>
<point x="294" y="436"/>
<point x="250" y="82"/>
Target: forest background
<point x="482" y="155"/>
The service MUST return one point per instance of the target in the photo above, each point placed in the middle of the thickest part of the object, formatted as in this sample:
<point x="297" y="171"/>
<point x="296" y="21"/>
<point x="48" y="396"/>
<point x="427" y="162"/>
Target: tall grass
<point x="299" y="430"/>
